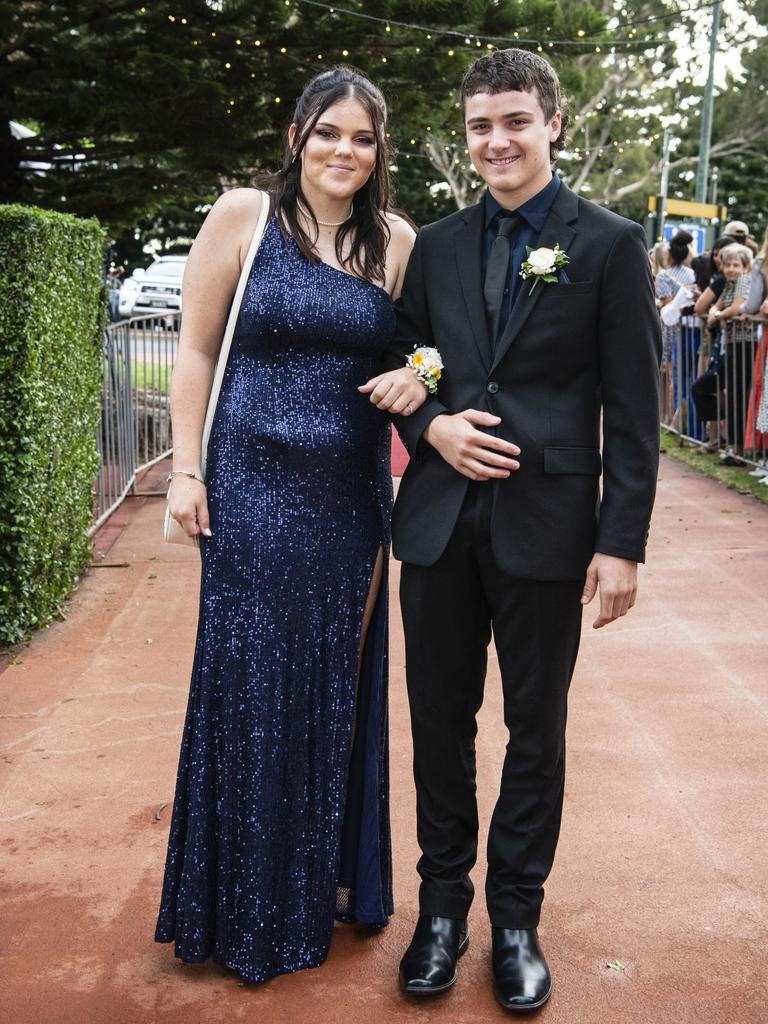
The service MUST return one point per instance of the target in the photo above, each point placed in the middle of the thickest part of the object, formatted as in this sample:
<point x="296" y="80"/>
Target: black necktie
<point x="496" y="272"/>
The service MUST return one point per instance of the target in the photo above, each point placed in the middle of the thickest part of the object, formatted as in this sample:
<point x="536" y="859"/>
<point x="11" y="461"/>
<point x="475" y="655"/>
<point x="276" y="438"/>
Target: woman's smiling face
<point x="340" y="152"/>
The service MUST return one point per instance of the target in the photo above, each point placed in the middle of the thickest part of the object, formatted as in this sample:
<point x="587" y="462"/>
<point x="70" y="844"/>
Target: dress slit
<point x="364" y="892"/>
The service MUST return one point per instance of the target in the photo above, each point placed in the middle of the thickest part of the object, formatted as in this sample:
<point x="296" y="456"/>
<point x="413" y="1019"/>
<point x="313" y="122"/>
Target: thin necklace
<point x="329" y="223"/>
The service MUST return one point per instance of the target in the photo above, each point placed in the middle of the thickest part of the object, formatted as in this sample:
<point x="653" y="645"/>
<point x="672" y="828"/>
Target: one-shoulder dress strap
<point x="234" y="312"/>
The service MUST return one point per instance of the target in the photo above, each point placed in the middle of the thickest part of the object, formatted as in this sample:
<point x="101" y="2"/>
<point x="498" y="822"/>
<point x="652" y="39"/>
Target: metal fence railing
<point x="135" y="427"/>
<point x="715" y="390"/>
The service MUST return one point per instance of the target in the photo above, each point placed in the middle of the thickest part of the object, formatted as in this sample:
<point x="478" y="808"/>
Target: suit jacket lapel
<point x="556" y="229"/>
<point x="467" y="241"/>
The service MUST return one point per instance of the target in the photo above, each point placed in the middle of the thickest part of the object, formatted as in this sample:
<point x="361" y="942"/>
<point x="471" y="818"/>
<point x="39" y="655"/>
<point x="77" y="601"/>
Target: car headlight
<point x="128" y="293"/>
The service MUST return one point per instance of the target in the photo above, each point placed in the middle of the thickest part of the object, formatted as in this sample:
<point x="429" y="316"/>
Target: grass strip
<point x="736" y="478"/>
<point x="151" y="377"/>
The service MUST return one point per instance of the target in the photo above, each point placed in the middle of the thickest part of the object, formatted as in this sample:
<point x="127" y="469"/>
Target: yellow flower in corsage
<point x="427" y="364"/>
<point x="542" y="264"/>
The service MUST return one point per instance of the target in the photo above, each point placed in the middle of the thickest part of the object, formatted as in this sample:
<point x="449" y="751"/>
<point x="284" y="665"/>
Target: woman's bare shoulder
<point x="400" y="227"/>
<point x="401" y="239"/>
<point x="236" y="203"/>
<point x="232" y="220"/>
<point x="402" y="236"/>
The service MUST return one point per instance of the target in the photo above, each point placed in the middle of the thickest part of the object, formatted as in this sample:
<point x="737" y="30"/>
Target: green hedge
<point x="51" y="321"/>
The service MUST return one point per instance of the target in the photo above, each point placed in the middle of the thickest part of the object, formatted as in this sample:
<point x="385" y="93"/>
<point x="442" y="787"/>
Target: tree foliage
<point x="143" y="114"/>
<point x="144" y="111"/>
<point x="633" y="96"/>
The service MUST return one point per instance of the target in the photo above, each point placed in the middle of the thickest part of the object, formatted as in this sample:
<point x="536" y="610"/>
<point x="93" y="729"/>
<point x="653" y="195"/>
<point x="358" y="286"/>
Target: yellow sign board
<point x="685" y="208"/>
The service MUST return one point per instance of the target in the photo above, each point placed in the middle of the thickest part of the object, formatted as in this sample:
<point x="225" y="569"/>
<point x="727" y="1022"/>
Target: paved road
<point x="661" y="866"/>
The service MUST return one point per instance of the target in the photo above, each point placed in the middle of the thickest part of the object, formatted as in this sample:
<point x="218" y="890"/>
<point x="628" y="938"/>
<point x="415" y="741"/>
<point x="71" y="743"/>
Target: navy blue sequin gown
<point x="281" y="821"/>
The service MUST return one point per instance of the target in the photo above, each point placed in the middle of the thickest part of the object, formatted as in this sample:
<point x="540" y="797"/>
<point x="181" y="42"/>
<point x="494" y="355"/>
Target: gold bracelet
<point x="184" y="472"/>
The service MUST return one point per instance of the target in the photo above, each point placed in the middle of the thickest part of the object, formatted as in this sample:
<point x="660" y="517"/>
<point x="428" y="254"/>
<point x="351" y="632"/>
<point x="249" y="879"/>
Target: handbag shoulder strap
<point x="234" y="313"/>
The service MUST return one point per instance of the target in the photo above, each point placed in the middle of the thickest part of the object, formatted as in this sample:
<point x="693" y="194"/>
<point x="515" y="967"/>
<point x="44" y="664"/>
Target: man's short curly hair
<point x="516" y="70"/>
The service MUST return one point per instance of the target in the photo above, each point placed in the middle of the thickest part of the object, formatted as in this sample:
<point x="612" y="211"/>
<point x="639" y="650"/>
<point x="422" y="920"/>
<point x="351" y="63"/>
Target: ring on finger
<point x="409" y="408"/>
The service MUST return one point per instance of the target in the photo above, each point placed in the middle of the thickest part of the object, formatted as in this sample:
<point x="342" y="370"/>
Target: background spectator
<point x="114" y="283"/>
<point x="709" y="296"/>
<point x="676" y="274"/>
<point x="757" y="299"/>
<point x="659" y="257"/>
<point x="738" y="230"/>
<point x="756" y="429"/>
<point x="736" y="261"/>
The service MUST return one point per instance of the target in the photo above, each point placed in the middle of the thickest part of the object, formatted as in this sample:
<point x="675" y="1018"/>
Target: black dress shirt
<point x="534" y="213"/>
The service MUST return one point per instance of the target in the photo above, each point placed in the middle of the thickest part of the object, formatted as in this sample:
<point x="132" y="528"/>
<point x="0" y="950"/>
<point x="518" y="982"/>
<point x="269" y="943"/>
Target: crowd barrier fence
<point x="713" y="394"/>
<point x="135" y="427"/>
<point x="715" y="391"/>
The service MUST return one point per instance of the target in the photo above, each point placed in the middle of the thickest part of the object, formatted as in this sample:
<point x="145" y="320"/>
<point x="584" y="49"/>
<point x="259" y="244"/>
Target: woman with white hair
<point x="736" y="262"/>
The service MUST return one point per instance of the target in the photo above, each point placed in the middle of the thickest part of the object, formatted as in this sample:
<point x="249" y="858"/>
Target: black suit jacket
<point x="568" y="353"/>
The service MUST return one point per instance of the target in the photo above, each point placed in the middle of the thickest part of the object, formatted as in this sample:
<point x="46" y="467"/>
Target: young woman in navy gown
<point x="281" y="822"/>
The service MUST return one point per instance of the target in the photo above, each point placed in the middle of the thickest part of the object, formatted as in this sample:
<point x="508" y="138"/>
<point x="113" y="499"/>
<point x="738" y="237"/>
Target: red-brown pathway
<point x="662" y="865"/>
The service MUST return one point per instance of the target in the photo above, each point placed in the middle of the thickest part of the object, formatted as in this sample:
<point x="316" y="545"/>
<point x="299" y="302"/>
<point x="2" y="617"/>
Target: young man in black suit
<point x="499" y="521"/>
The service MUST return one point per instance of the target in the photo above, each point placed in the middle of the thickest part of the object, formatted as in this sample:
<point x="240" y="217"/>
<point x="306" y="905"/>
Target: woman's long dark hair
<point x="367" y="224"/>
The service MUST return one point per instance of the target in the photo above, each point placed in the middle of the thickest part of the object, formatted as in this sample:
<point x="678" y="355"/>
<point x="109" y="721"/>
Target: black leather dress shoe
<point x="521" y="978"/>
<point x="429" y="964"/>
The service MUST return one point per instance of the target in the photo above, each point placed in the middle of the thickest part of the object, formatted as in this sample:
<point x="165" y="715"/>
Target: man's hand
<point x="398" y="391"/>
<point x="474" y="453"/>
<point x="617" y="579"/>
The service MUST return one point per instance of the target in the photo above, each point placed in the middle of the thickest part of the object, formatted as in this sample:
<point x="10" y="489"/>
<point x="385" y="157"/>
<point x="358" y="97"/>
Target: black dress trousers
<point x="449" y="610"/>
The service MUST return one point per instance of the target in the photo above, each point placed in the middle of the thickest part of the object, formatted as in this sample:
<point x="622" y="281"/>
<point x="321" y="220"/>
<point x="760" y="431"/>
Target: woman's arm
<point x="704" y="301"/>
<point x="398" y="392"/>
<point x="210" y="280"/>
<point x="733" y="310"/>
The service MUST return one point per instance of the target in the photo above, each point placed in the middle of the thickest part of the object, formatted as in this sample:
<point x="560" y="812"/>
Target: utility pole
<point x="702" y="170"/>
<point x="661" y="198"/>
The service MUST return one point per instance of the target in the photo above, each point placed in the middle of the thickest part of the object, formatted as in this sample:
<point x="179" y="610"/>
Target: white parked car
<point x="154" y="290"/>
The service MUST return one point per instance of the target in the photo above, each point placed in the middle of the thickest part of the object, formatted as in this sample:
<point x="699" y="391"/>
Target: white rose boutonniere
<point x="542" y="264"/>
<point x="427" y="364"/>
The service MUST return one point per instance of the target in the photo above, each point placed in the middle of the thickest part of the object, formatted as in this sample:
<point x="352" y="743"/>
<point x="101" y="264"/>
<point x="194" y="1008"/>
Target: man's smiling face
<point x="508" y="137"/>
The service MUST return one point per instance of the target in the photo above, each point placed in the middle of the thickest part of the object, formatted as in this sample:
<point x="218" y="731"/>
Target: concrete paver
<point x="661" y="864"/>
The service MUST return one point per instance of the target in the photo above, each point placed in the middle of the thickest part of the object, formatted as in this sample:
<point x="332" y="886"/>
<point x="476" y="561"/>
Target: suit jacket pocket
<point x="581" y="461"/>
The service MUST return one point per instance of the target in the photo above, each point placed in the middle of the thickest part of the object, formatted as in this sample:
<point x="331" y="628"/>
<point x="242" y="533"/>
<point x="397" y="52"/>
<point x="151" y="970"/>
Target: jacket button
<point x="492" y="387"/>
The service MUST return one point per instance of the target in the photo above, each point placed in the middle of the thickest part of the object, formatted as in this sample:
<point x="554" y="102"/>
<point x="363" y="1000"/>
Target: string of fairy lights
<point x="490" y="41"/>
<point x="587" y="41"/>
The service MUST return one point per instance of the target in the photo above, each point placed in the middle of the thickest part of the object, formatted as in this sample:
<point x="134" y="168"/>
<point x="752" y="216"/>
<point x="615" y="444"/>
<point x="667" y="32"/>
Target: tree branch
<point x="733" y="146"/>
<point x="589" y="163"/>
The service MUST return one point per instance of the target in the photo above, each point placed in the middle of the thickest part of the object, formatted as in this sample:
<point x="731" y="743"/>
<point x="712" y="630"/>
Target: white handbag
<point x="173" y="531"/>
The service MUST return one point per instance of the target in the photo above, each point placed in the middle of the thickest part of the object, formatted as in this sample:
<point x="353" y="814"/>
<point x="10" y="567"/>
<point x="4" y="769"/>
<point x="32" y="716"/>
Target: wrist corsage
<point x="427" y="364"/>
<point x="542" y="264"/>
